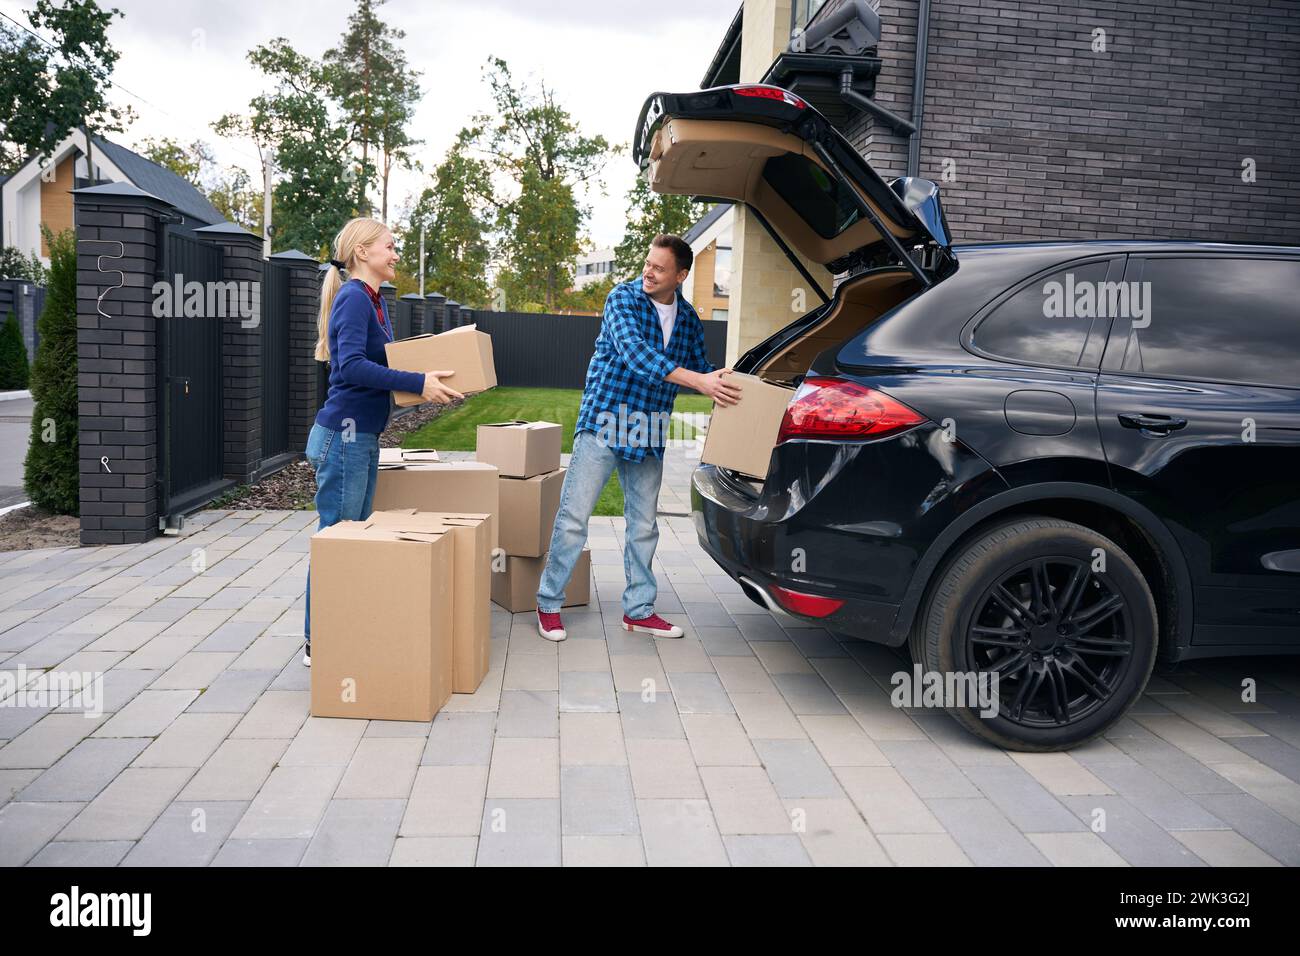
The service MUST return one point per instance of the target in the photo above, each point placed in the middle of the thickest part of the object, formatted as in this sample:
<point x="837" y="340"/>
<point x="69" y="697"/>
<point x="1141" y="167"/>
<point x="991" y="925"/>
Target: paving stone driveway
<point x="754" y="740"/>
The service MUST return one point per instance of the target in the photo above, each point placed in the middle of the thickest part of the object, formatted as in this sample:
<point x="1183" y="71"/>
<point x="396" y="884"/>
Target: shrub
<point x="13" y="356"/>
<point x="50" y="474"/>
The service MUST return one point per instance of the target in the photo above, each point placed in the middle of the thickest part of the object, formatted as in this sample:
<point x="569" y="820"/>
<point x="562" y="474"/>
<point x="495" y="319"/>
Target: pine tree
<point x="50" y="473"/>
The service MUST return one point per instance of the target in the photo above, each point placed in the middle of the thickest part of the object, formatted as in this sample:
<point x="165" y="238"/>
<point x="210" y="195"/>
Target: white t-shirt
<point x="667" y="316"/>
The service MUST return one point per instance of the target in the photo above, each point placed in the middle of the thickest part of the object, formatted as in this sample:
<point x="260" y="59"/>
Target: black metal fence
<point x="275" y="359"/>
<point x="26" y="301"/>
<point x="540" y="350"/>
<point x="191" y="440"/>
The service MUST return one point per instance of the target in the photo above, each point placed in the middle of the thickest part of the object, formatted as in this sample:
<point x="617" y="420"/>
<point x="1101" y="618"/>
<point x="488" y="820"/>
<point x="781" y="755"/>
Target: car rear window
<point x="823" y="201"/>
<point x="1026" y="327"/>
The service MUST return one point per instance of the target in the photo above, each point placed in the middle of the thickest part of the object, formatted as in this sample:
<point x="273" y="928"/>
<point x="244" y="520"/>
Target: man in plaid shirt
<point x="650" y="343"/>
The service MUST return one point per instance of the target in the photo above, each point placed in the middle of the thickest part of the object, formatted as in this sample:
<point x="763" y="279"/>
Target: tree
<point x="15" y="265"/>
<point x="648" y="214"/>
<point x="185" y="161"/>
<point x="229" y="189"/>
<point x="542" y="242"/>
<point x="13" y="356"/>
<point x="320" y="189"/>
<point x="50" y="472"/>
<point x="534" y="142"/>
<point x="47" y="92"/>
<point x="455" y="213"/>
<point x="378" y="93"/>
<point x="590" y="298"/>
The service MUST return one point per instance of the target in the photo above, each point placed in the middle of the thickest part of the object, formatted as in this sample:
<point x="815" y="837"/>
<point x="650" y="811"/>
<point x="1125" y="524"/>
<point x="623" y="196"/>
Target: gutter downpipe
<point x="918" y="86"/>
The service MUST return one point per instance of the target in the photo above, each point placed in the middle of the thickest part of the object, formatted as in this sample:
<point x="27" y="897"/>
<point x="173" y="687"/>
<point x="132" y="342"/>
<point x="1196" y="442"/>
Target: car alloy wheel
<point x="1058" y="637"/>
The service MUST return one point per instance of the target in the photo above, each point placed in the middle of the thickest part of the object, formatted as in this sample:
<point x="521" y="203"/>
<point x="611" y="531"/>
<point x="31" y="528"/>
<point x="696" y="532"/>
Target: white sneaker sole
<point x="555" y="636"/>
<point x="675" y="632"/>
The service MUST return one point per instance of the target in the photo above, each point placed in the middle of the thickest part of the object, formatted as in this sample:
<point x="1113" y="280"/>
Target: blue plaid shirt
<point x="626" y="400"/>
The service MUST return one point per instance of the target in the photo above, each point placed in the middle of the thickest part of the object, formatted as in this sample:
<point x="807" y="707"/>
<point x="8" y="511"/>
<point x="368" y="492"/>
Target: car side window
<point x="1230" y="319"/>
<point x="1047" y="321"/>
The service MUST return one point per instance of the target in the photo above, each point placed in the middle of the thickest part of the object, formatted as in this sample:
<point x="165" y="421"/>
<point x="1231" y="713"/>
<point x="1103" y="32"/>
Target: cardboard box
<point x="528" y="509"/>
<point x="520" y="449"/>
<point x="466" y="351"/>
<point x="381" y="620"/>
<point x="398" y="457"/>
<point x="515" y="588"/>
<point x="462" y="487"/>
<point x="742" y="437"/>
<point x="471" y="590"/>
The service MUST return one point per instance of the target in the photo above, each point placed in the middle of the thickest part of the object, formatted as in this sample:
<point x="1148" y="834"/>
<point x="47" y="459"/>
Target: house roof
<point x="705" y="221"/>
<point x="725" y="67"/>
<point x="162" y="182"/>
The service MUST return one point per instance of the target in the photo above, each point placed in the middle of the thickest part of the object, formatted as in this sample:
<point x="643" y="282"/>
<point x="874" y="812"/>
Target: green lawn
<point x="458" y="430"/>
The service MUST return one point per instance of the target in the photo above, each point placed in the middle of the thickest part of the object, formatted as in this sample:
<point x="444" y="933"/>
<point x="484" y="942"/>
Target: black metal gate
<point x="189" y="330"/>
<point x="275" y="360"/>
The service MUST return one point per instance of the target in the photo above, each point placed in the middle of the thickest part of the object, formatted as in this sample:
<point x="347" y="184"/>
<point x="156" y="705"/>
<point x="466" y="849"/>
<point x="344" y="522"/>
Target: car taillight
<point x="810" y="605"/>
<point x="833" y="408"/>
<point x="771" y="93"/>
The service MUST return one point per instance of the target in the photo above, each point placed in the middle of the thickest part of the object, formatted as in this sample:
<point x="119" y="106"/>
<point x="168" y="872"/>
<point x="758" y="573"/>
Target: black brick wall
<point x="116" y="378"/>
<point x="1146" y="140"/>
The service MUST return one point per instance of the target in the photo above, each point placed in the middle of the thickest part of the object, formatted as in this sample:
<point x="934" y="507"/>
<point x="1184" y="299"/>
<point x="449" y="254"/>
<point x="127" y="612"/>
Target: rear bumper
<point x="842" y="520"/>
<point x="745" y="546"/>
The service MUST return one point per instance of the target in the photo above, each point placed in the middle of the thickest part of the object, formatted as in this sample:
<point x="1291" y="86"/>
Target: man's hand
<point x="721" y="391"/>
<point x="435" y="391"/>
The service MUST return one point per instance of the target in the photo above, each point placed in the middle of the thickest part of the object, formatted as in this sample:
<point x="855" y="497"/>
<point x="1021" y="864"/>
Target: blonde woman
<point x="353" y="326"/>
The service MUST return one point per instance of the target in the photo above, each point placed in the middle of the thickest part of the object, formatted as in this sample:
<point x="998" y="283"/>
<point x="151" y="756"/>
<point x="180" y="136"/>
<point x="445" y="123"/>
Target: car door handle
<point x="1157" y="424"/>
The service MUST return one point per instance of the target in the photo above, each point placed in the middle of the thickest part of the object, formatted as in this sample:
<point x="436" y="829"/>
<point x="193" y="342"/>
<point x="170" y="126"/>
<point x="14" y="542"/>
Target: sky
<point x="186" y="60"/>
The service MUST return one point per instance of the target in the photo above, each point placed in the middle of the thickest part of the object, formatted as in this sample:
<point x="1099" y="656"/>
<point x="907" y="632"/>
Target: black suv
<point x="1049" y="464"/>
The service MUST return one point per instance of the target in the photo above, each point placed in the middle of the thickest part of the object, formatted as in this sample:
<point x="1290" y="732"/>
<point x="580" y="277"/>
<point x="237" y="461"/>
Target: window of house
<point x="719" y="315"/>
<point x="802" y="12"/>
<point x="722" y="272"/>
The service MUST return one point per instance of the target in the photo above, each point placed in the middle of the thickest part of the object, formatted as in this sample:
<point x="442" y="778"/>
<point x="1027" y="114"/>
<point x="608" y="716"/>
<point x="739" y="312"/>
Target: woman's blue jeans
<point x="589" y="469"/>
<point x="346" y="464"/>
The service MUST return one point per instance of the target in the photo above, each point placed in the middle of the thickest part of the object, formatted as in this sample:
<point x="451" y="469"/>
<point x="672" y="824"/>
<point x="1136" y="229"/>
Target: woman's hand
<point x="435" y="391"/>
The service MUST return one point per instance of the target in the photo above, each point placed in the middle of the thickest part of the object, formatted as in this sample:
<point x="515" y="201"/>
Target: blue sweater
<point x="360" y="379"/>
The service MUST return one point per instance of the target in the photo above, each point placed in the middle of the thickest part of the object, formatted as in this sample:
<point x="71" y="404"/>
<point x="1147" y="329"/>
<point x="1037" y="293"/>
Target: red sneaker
<point x="654" y="624"/>
<point x="550" y="626"/>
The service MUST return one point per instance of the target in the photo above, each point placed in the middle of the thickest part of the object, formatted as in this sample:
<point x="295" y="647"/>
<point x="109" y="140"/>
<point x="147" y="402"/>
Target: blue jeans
<point x="589" y="469"/>
<point x="345" y="482"/>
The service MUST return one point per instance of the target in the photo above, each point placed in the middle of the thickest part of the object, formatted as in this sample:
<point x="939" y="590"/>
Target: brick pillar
<point x="304" y="301"/>
<point x="415" y="303"/>
<point x="117" y="361"/>
<point x="451" y="309"/>
<point x="241" y="351"/>
<point x="435" y="315"/>
<point x="466" y="316"/>
<point x="389" y="292"/>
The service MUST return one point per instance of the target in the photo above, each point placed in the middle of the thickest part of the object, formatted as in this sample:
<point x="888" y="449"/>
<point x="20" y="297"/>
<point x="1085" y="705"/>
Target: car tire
<point x="1060" y="681"/>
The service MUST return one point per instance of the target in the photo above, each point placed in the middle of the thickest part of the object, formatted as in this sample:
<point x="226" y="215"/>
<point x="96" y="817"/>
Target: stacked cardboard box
<point x="527" y="458"/>
<point x="439" y="486"/>
<point x="399" y="614"/>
